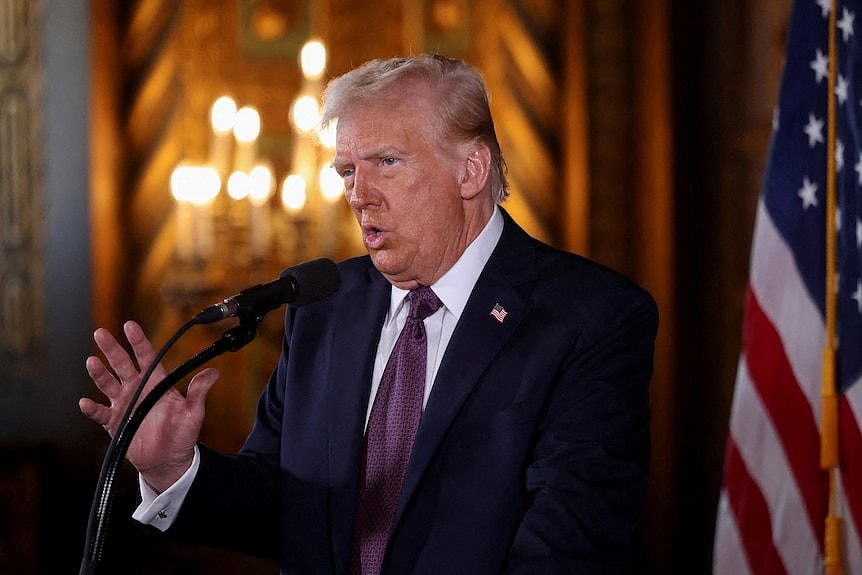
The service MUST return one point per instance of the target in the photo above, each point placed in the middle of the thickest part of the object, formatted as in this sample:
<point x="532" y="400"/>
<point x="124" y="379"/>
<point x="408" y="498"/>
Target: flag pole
<point x="829" y="414"/>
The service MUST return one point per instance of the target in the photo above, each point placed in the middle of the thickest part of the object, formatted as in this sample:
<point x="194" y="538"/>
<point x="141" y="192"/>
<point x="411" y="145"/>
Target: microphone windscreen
<point x="315" y="280"/>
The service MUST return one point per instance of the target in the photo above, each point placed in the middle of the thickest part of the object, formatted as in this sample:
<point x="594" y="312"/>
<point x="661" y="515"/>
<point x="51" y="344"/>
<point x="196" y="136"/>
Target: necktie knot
<point x="423" y="302"/>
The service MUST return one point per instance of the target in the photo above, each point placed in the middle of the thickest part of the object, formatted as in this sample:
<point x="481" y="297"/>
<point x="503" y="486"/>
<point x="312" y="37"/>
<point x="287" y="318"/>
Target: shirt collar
<point x="455" y="286"/>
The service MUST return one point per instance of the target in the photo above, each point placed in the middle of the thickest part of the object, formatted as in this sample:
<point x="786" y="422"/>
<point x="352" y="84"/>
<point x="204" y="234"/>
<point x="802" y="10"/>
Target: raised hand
<point x="163" y="447"/>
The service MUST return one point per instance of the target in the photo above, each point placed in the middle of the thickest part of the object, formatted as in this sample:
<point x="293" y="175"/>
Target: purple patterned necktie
<point x="389" y="438"/>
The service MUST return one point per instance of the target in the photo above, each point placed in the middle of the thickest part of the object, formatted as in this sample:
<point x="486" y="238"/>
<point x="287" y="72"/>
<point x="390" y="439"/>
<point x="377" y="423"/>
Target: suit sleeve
<point x="235" y="500"/>
<point x="588" y="472"/>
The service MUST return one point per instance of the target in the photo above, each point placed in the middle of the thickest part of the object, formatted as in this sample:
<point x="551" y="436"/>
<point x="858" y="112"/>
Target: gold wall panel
<point x="15" y="37"/>
<point x="514" y="47"/>
<point x="21" y="207"/>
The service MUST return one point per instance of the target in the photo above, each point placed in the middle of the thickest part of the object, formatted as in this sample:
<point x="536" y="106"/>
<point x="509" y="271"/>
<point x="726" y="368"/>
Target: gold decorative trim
<point x="14" y="24"/>
<point x="525" y="94"/>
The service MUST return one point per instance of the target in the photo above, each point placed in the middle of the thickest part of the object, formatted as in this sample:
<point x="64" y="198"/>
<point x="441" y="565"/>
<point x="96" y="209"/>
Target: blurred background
<point x="159" y="155"/>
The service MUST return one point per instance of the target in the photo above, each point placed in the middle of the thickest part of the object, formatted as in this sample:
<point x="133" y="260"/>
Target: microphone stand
<point x="231" y="340"/>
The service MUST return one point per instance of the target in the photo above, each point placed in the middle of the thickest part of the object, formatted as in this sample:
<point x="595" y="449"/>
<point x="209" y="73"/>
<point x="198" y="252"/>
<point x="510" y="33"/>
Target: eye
<point x="389" y="161"/>
<point x="345" y="173"/>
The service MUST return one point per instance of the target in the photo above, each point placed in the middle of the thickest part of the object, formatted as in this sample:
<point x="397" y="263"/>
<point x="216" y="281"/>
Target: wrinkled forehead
<point x="393" y="117"/>
<point x="411" y="87"/>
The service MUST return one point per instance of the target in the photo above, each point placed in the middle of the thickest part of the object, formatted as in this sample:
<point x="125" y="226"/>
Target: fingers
<point x="116" y="355"/>
<point x="106" y="382"/>
<point x="119" y="359"/>
<point x="118" y="375"/>
<point x="199" y="387"/>
<point x="95" y="411"/>
<point x="142" y="347"/>
<point x="103" y="378"/>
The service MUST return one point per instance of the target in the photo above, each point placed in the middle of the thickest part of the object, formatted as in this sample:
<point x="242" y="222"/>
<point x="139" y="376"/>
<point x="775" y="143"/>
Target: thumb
<point x="199" y="387"/>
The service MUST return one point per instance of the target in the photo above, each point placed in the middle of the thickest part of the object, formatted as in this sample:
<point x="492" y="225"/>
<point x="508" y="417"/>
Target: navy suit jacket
<point x="533" y="449"/>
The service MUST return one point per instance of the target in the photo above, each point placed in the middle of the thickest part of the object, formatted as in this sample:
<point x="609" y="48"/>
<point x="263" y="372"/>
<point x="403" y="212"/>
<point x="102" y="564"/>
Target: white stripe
<point x="729" y="557"/>
<point x="854" y="398"/>
<point x="852" y="551"/>
<point x="786" y="302"/>
<point x="764" y="456"/>
<point x="852" y="530"/>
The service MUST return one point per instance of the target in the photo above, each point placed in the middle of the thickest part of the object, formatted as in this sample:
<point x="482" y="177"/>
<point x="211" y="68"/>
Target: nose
<point x="360" y="194"/>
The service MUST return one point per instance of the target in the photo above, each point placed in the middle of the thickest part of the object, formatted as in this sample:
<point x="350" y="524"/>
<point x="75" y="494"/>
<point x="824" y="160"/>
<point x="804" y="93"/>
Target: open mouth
<point x="373" y="236"/>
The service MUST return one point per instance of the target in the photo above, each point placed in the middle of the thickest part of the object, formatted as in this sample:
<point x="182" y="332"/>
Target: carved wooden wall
<point x="21" y="205"/>
<point x="21" y="265"/>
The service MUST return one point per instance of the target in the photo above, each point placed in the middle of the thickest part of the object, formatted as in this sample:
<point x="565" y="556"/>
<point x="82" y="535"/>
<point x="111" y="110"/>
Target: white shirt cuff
<point x="160" y="509"/>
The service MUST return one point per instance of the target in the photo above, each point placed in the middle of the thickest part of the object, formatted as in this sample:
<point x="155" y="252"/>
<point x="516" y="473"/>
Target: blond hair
<point x="462" y="100"/>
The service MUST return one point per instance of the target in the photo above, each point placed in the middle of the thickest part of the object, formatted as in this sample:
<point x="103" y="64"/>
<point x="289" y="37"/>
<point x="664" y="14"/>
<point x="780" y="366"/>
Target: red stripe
<point x="752" y="515"/>
<point x="788" y="409"/>
<point x="851" y="460"/>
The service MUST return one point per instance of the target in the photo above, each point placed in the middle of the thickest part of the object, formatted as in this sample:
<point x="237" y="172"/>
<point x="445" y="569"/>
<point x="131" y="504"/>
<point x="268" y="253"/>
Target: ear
<point x="476" y="170"/>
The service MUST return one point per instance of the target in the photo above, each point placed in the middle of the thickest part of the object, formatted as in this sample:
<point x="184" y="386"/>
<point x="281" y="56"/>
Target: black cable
<point x="97" y="518"/>
<point x="232" y="340"/>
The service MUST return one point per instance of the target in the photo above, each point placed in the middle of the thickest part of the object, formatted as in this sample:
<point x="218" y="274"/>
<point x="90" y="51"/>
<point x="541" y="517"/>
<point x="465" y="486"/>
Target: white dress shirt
<point x="453" y="289"/>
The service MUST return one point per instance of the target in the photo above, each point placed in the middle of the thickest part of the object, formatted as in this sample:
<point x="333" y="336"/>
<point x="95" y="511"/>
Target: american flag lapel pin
<point x="498" y="312"/>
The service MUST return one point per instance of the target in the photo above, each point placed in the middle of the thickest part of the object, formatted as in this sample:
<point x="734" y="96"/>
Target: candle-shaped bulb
<point x="306" y="113"/>
<point x="194" y="188"/>
<point x="260" y="184"/>
<point x="238" y="185"/>
<point x="260" y="190"/>
<point x="247" y="125"/>
<point x="205" y="185"/>
<point x="185" y="242"/>
<point x="223" y="115"/>
<point x="246" y="131"/>
<point x="293" y="193"/>
<point x="312" y="59"/>
<point x="180" y="184"/>
<point x="331" y="184"/>
<point x="197" y="185"/>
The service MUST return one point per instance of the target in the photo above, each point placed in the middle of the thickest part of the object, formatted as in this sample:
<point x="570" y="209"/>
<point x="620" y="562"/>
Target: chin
<point x="383" y="262"/>
<point x="395" y="274"/>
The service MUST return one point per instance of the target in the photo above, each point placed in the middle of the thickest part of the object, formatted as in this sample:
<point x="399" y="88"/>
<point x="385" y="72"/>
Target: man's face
<point x="403" y="188"/>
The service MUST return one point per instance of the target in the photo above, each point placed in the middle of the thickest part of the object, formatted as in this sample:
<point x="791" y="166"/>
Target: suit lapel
<point x="475" y="342"/>
<point x="359" y="315"/>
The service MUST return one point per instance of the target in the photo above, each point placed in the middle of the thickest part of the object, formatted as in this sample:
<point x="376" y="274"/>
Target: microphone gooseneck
<point x="298" y="285"/>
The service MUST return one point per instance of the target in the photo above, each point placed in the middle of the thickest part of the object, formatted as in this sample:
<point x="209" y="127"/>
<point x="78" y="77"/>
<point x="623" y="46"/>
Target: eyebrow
<point x="379" y="152"/>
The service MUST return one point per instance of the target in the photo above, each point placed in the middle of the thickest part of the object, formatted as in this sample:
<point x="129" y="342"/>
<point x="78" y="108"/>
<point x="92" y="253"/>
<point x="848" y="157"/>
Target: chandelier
<point x="236" y="219"/>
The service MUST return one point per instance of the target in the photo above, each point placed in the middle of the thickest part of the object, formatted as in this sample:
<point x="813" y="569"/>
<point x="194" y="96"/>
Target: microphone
<point x="298" y="285"/>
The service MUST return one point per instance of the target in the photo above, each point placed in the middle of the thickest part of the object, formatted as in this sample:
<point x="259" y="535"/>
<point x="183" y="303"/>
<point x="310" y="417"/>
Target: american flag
<point x="499" y="313"/>
<point x="775" y="497"/>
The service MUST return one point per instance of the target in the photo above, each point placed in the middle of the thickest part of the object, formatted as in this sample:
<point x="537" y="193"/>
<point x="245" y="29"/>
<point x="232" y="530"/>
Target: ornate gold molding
<point x="515" y="50"/>
<point x="21" y="206"/>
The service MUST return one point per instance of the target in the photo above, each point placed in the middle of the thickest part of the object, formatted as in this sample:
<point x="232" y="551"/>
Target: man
<point x="509" y="429"/>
